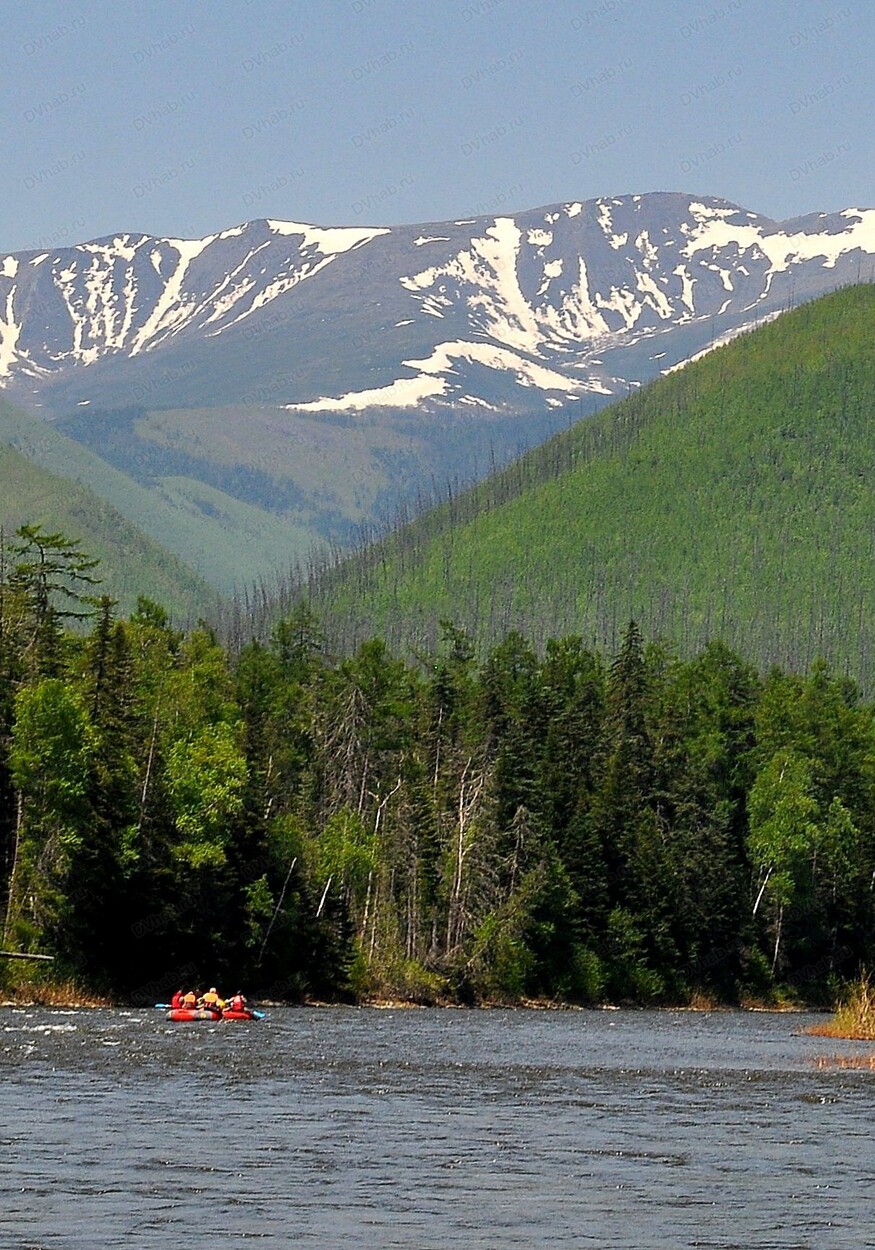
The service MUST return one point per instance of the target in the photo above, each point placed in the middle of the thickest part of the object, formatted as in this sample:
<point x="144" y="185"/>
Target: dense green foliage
<point x="549" y="823"/>
<point x="733" y="498"/>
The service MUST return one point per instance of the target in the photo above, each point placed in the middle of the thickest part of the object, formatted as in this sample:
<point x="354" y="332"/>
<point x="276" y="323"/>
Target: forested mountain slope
<point x="131" y="563"/>
<point x="208" y="535"/>
<point x="733" y="498"/>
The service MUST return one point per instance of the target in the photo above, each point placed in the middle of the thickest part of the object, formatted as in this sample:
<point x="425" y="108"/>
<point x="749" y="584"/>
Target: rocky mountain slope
<point x="493" y="313"/>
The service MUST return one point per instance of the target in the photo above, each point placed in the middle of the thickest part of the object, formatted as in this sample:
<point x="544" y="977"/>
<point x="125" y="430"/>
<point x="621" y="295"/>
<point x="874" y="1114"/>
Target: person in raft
<point x="212" y="1000"/>
<point x="237" y="1002"/>
<point x="176" y="1000"/>
<point x="189" y="1000"/>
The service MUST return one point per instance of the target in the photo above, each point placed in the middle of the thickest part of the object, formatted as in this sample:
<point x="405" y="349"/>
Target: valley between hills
<point x="266" y="395"/>
<point x="594" y="727"/>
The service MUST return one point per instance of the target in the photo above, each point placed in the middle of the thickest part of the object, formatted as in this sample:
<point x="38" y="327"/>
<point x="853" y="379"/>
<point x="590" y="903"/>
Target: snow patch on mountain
<point x="402" y="393"/>
<point x="715" y="232"/>
<point x="10" y="331"/>
<point x="552" y="269"/>
<point x="720" y="341"/>
<point x="687" y="284"/>
<point x="487" y="273"/>
<point x="329" y="240"/>
<point x="577" y="317"/>
<point x="439" y="371"/>
<point x="285" y="282"/>
<point x="606" y="225"/>
<point x="657" y="298"/>
<point x="170" y="310"/>
<point x="228" y="293"/>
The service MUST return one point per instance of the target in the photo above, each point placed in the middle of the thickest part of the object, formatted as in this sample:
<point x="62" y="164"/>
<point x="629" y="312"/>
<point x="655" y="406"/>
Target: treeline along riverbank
<point x="556" y="823"/>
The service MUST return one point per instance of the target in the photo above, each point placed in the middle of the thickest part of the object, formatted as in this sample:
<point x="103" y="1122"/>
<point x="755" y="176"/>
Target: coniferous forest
<point x="452" y="826"/>
<point x="730" y="498"/>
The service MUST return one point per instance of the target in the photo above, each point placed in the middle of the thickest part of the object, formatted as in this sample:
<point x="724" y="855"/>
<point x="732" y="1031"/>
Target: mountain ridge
<point x="543" y="299"/>
<point x="277" y="385"/>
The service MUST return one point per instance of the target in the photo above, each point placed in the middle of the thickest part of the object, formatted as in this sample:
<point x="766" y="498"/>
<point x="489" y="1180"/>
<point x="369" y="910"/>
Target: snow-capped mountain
<point x="245" y="396"/>
<point x="493" y="315"/>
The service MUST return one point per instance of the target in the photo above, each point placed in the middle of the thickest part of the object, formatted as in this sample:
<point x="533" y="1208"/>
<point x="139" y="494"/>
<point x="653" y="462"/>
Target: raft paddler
<point x="212" y="1001"/>
<point x="189" y="1000"/>
<point x="177" y="1000"/>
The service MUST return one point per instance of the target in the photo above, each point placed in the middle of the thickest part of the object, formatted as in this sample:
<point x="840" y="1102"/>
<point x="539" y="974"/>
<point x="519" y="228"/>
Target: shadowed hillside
<point x="131" y="564"/>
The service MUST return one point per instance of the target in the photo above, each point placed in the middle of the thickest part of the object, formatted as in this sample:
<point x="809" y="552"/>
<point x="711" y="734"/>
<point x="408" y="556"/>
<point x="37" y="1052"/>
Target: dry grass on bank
<point x="54" y="994"/>
<point x="854" y="1018"/>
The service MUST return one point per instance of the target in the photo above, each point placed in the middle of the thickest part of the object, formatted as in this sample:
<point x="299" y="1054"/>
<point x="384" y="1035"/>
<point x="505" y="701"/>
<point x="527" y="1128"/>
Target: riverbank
<point x="63" y="994"/>
<point x="69" y="995"/>
<point x="854" y="1019"/>
<point x="39" y="991"/>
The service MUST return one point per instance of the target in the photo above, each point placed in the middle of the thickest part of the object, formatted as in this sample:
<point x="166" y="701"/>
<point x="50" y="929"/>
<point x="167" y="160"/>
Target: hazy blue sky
<point x="181" y="119"/>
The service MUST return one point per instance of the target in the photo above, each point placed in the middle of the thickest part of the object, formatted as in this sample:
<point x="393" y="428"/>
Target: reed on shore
<point x="855" y="1017"/>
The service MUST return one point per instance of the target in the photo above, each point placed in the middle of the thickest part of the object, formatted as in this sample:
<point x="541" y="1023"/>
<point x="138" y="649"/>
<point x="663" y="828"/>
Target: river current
<point x="427" y="1129"/>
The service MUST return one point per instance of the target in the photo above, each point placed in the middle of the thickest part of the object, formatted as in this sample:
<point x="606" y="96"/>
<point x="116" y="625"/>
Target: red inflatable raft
<point x="185" y="1014"/>
<point x="193" y="1013"/>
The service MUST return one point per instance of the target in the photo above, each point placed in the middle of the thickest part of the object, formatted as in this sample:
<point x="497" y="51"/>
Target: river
<point x="347" y="1127"/>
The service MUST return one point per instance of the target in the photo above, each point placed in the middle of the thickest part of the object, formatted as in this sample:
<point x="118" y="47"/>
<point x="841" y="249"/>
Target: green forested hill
<point x="227" y="542"/>
<point x="733" y="498"/>
<point x="131" y="564"/>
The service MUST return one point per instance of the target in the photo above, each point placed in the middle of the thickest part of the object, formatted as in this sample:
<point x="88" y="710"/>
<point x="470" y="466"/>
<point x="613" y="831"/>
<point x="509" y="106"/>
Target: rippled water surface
<point x="368" y="1128"/>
